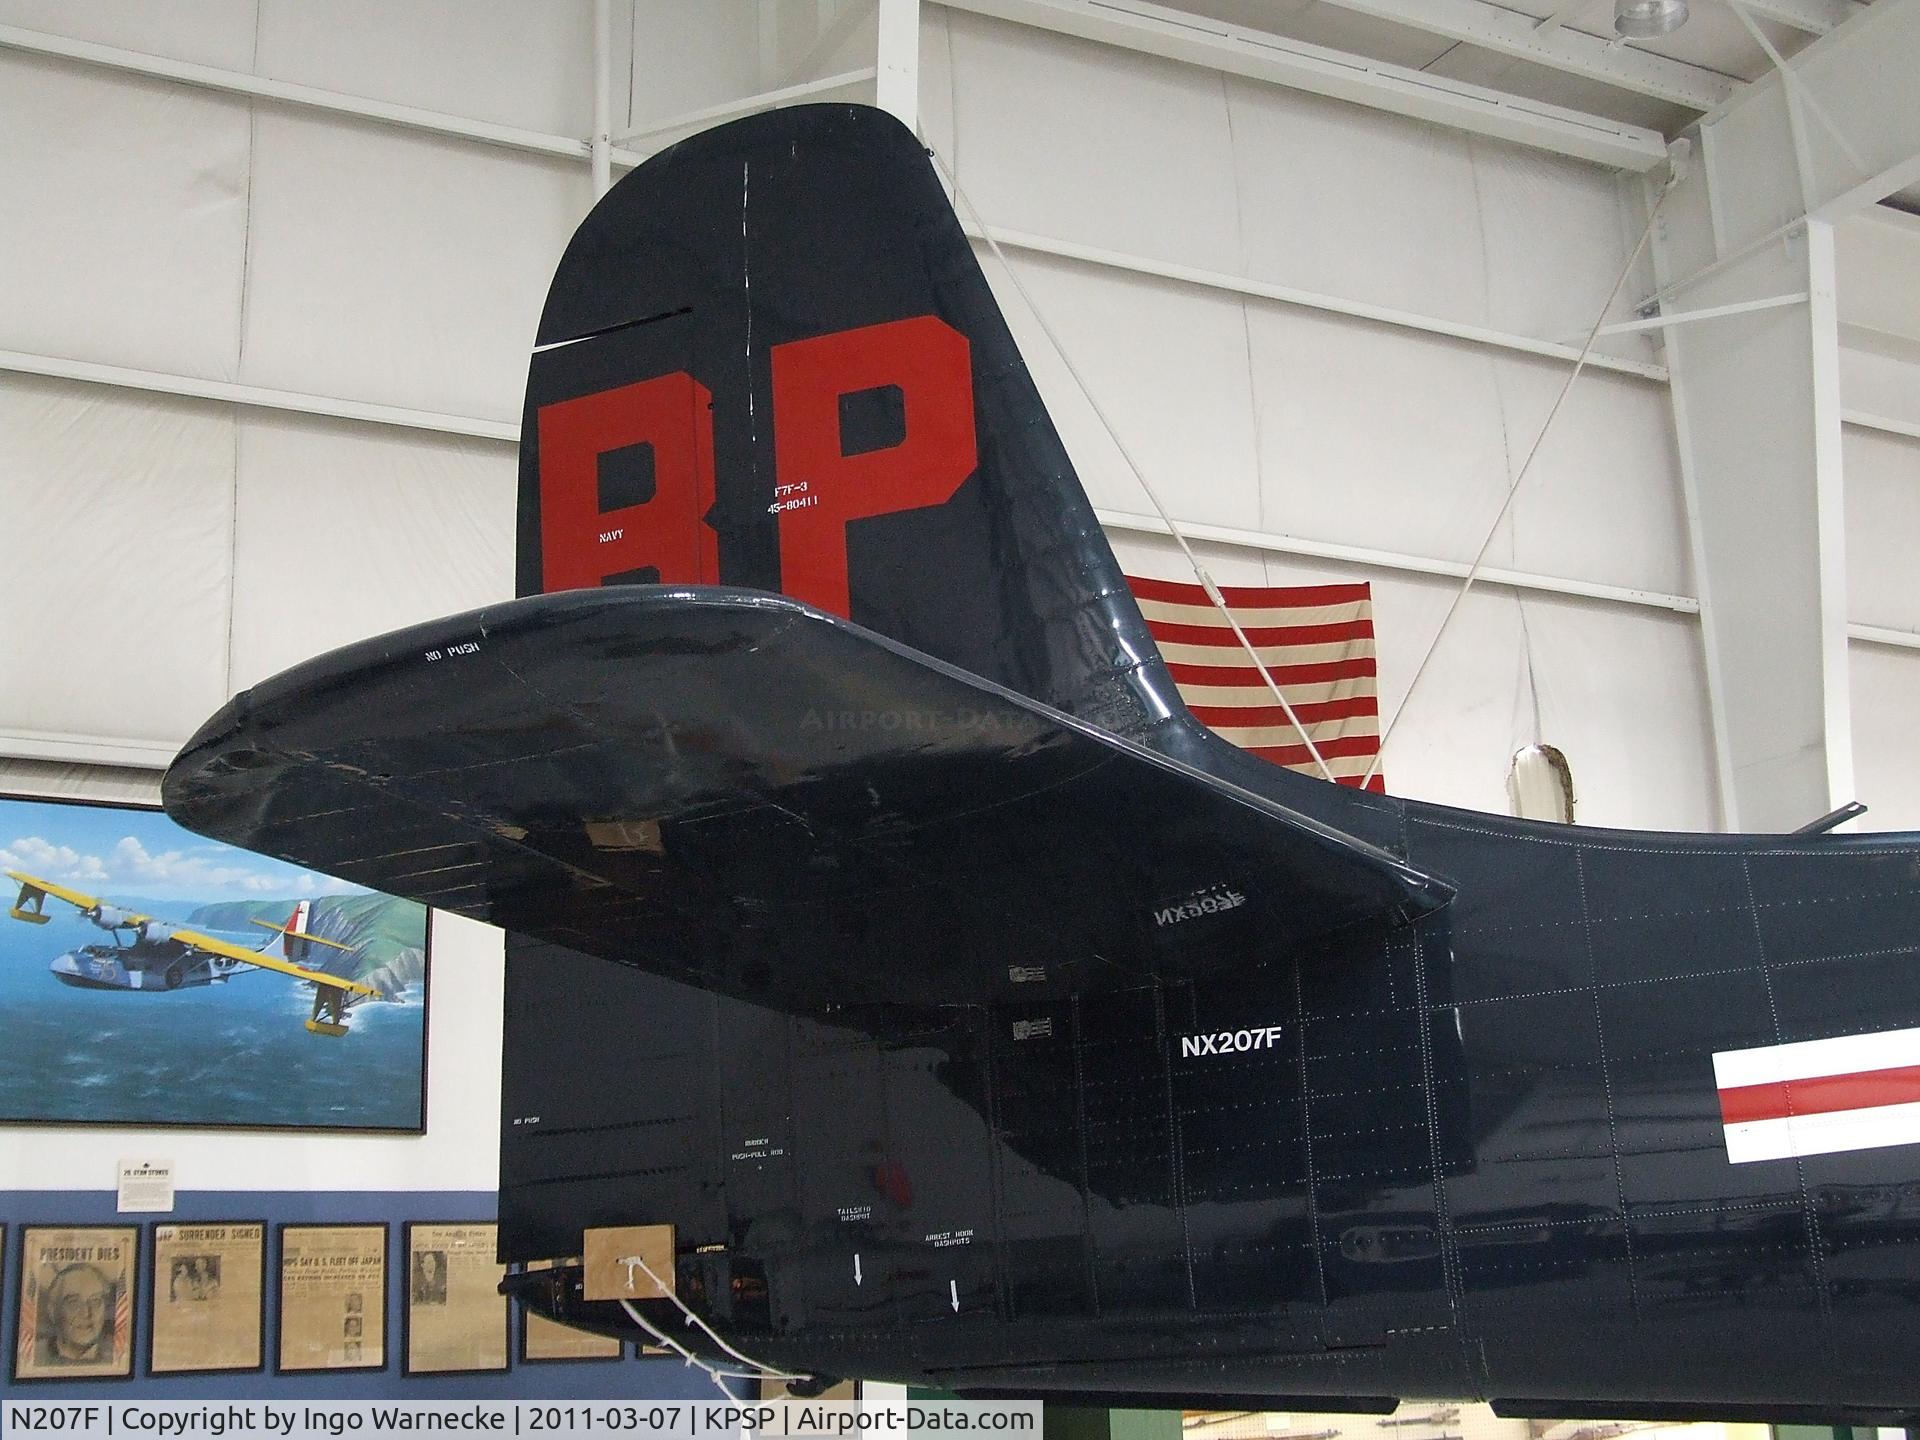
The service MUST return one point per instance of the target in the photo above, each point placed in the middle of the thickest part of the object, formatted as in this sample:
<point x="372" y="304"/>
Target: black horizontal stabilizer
<point x="738" y="791"/>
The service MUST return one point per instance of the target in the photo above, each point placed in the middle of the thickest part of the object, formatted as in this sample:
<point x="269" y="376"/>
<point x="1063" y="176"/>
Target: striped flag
<point x="1816" y="1097"/>
<point x="121" y="1341"/>
<point x="1316" y="641"/>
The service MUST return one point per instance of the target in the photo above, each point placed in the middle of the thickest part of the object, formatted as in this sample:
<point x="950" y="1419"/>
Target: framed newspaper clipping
<point x="333" y="1298"/>
<point x="456" y="1317"/>
<point x="74" y="1306"/>
<point x="208" y="1281"/>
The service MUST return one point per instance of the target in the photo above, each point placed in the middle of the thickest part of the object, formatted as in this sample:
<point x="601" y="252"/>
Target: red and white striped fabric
<point x="1816" y="1097"/>
<point x="122" y="1323"/>
<point x="1315" y="640"/>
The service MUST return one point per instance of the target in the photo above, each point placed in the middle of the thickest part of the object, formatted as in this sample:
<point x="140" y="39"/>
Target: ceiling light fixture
<point x="1644" y="19"/>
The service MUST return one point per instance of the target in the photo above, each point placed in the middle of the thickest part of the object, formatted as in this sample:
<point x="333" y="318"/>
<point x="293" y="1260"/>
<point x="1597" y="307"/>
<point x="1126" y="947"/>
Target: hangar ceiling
<point x="1559" y="53"/>
<point x="1489" y="44"/>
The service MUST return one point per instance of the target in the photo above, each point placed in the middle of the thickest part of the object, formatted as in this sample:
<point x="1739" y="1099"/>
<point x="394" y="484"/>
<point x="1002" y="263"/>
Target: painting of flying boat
<point x="150" y="977"/>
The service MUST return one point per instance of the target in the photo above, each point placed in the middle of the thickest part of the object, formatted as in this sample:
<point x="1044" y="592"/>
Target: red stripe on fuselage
<point x="1821" y="1095"/>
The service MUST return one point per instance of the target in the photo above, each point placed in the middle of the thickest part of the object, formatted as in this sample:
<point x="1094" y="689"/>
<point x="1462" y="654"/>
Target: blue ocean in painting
<point x="235" y="1053"/>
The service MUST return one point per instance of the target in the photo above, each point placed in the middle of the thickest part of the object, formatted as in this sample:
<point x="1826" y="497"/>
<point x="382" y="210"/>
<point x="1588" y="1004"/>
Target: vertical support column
<point x="600" y="144"/>
<point x="1756" y="400"/>
<point x="1830" y="499"/>
<point x="897" y="88"/>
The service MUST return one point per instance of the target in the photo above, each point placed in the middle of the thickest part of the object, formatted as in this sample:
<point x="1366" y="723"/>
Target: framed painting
<point x="171" y="980"/>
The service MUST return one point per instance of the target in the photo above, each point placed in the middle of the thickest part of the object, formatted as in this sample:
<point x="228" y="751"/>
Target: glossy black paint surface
<point x="932" y="1111"/>
<point x="598" y="784"/>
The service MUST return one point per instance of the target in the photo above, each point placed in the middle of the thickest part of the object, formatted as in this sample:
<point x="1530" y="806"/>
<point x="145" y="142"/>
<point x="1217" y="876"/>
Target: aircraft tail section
<point x="591" y="779"/>
<point x="292" y="944"/>
<point x="769" y="359"/>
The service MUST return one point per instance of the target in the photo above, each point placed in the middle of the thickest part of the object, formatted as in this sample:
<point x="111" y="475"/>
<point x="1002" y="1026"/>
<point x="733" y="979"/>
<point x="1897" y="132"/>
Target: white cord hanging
<point x="712" y="1372"/>
<point x="1200" y="571"/>
<point x="755" y="1371"/>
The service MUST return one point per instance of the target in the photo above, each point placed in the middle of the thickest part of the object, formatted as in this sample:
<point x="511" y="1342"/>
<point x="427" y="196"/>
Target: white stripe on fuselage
<point x="1872" y="1128"/>
<point x="1804" y="1059"/>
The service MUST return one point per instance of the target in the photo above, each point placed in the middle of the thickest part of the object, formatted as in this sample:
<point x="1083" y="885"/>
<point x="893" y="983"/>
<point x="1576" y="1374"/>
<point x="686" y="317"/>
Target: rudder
<point x="769" y="359"/>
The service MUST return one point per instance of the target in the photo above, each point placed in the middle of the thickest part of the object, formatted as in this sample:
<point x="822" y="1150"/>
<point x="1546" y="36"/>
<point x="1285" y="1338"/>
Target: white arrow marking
<point x="856" y="1267"/>
<point x="953" y="1289"/>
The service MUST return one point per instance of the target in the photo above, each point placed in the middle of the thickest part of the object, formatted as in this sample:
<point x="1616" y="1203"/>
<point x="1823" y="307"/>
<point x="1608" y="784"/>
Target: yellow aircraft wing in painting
<point x="34" y="890"/>
<point x="268" y="962"/>
<point x="30" y="884"/>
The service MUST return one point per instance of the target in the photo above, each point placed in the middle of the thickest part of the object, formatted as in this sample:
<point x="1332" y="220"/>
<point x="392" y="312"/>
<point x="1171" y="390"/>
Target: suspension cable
<point x="1173" y="529"/>
<point x="1479" y="558"/>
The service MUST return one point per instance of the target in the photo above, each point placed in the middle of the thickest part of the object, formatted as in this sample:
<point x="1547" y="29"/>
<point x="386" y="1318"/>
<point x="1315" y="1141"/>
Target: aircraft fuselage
<point x="1518" y="1151"/>
<point x="142" y="968"/>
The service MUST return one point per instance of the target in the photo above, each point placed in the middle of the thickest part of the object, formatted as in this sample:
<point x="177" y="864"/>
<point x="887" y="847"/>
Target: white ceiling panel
<point x="116" y="516"/>
<point x="207" y="32"/>
<point x="1713" y="39"/>
<point x="1602" y="501"/>
<point x="1369" y="436"/>
<point x="679" y="57"/>
<point x="1168" y="364"/>
<point x="399" y="268"/>
<point x="1357" y="203"/>
<point x="124" y="237"/>
<point x="1883" y="528"/>
<point x="1557" y="87"/>
<point x="498" y="60"/>
<point x="343" y="531"/>
<point x="1081" y="141"/>
<point x="1556" y="234"/>
<point x="1885" y="687"/>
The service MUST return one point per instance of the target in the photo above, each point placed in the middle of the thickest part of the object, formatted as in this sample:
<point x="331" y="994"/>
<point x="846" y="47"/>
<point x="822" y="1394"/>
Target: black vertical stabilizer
<point x="770" y="359"/>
